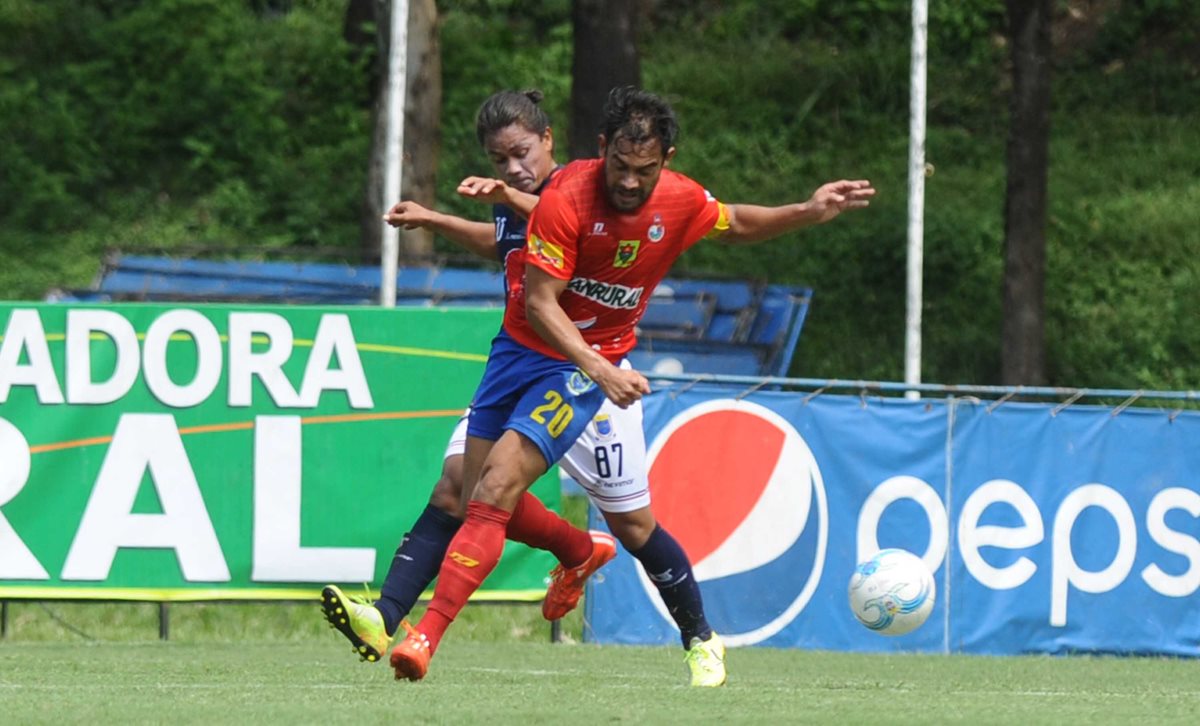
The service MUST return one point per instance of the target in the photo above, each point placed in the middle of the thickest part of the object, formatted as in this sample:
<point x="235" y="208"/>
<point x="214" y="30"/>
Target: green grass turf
<point x="268" y="664"/>
<point x="499" y="683"/>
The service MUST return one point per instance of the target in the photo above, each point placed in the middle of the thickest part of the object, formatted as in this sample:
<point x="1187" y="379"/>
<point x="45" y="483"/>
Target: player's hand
<point x="408" y="215"/>
<point x="482" y="189"/>
<point x="833" y="198"/>
<point x="623" y="386"/>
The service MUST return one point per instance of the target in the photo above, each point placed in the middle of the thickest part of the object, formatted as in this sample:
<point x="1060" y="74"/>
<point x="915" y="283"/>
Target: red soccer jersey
<point x="612" y="260"/>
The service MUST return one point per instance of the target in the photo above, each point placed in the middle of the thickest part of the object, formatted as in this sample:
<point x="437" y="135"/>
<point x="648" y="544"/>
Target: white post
<point x="393" y="167"/>
<point x="916" y="197"/>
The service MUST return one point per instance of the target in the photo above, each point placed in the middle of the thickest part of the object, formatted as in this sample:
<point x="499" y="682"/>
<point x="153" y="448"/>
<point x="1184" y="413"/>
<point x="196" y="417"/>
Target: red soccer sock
<point x="470" y="558"/>
<point x="538" y="527"/>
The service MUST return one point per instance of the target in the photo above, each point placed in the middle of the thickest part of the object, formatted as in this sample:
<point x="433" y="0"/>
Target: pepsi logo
<point x="740" y="490"/>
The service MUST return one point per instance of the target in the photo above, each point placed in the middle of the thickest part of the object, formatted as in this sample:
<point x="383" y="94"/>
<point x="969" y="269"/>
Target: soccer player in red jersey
<point x="608" y="459"/>
<point x="603" y="235"/>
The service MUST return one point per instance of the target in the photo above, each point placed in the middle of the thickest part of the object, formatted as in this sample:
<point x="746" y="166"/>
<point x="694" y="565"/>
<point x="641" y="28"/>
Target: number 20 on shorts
<point x="559" y="412"/>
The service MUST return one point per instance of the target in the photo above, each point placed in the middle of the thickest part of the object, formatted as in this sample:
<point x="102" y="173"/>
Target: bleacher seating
<point x="675" y="316"/>
<point x="690" y="326"/>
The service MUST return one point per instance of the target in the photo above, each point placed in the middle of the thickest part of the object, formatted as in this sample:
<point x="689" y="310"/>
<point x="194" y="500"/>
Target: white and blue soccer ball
<point x="892" y="592"/>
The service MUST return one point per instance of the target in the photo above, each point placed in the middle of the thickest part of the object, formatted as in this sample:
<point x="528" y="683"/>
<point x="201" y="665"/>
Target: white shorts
<point x="608" y="459"/>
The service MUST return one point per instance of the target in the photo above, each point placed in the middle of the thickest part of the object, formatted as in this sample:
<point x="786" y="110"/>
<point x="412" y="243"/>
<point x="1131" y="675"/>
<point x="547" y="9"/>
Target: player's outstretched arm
<point x="478" y="238"/>
<point x="751" y="223"/>
<point x="550" y="321"/>
<point x="495" y="191"/>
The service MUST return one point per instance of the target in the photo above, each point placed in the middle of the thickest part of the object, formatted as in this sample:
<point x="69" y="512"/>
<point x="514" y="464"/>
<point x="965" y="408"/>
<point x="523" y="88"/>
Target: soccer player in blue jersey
<point x="608" y="459"/>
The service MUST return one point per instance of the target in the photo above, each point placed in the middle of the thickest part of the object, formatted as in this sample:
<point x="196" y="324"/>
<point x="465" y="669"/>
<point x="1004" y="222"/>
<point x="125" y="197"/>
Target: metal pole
<point x="164" y="621"/>
<point x="3" y="619"/>
<point x="916" y="196"/>
<point x="393" y="170"/>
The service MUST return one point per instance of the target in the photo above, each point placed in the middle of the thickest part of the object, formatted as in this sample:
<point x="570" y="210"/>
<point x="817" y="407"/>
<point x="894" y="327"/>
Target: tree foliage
<point x="245" y="123"/>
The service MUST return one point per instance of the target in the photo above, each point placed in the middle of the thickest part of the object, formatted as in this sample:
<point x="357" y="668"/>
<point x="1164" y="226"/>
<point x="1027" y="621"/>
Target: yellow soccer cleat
<point x="358" y="620"/>
<point x="566" y="585"/>
<point x="706" y="661"/>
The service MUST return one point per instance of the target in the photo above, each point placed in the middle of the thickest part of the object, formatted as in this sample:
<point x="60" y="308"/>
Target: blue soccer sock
<point x="669" y="569"/>
<point x="415" y="564"/>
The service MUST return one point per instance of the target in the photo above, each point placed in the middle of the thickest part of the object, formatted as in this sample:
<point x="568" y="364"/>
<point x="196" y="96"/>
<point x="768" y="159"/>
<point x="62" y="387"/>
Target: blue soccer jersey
<point x="510" y="235"/>
<point x="510" y="240"/>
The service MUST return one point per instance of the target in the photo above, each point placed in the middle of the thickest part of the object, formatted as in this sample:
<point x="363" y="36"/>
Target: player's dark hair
<point x="505" y="108"/>
<point x="639" y="116"/>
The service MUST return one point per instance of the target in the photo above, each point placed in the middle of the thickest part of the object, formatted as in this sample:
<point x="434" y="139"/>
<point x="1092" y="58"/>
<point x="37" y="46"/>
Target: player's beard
<point x="624" y="201"/>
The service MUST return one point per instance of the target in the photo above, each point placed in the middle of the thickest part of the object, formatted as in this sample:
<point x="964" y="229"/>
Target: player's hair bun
<point x="534" y="95"/>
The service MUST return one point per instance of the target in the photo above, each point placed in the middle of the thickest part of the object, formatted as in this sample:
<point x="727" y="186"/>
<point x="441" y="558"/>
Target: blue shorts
<point x="549" y="401"/>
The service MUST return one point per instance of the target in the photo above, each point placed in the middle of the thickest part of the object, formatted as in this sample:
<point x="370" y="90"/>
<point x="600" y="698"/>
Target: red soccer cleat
<point x="411" y="657"/>
<point x="566" y="585"/>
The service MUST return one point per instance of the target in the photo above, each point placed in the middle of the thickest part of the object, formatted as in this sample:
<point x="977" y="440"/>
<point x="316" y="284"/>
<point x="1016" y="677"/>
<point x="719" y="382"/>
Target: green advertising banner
<point x="152" y="452"/>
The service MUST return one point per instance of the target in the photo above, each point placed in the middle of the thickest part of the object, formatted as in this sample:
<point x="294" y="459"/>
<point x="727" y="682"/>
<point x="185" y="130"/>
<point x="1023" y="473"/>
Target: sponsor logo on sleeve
<point x="547" y="251"/>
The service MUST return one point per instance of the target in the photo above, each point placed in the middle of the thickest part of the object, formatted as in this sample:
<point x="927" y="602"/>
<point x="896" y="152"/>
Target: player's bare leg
<point x="475" y="454"/>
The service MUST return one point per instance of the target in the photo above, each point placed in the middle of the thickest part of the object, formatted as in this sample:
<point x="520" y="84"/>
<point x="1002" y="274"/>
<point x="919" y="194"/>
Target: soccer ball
<point x="892" y="592"/>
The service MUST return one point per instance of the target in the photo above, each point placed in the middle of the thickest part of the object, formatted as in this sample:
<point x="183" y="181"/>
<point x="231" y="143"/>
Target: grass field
<point x="268" y="664"/>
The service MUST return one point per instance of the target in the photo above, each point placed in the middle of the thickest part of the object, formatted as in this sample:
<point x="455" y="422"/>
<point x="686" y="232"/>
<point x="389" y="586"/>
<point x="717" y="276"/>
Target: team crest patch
<point x="579" y="383"/>
<point x="627" y="250"/>
<point x="657" y="230"/>
<point x="604" y="427"/>
<point x="546" y="251"/>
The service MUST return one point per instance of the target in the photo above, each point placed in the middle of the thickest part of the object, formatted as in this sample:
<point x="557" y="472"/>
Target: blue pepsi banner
<point x="1048" y="529"/>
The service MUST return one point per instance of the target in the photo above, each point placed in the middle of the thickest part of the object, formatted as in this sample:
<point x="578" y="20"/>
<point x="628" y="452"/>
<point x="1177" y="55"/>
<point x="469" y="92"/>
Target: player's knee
<point x="447" y="493"/>
<point x="499" y="486"/>
<point x="632" y="529"/>
<point x="445" y="497"/>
